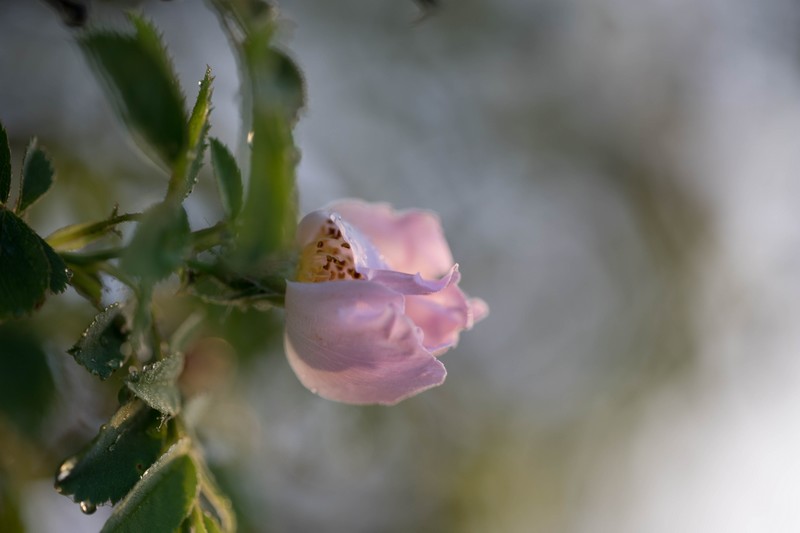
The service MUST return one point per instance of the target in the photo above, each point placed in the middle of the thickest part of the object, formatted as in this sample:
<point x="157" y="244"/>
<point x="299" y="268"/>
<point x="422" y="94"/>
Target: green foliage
<point x="211" y="525"/>
<point x="225" y="288"/>
<point x="275" y="91"/>
<point x="219" y="504"/>
<point x="159" y="244"/>
<point x="156" y="384"/>
<point x="29" y="267"/>
<point x="37" y="177"/>
<point x="5" y="166"/>
<point x="99" y="349"/>
<point x="162" y="499"/>
<point x="229" y="178"/>
<point x="142" y="85"/>
<point x="144" y="460"/>
<point x="235" y="291"/>
<point x="76" y="236"/>
<point x="25" y="268"/>
<point x="184" y="178"/>
<point x="108" y="468"/>
<point x="26" y="385"/>
<point x="286" y="88"/>
<point x="200" y="522"/>
<point x="87" y="282"/>
<point x="59" y="275"/>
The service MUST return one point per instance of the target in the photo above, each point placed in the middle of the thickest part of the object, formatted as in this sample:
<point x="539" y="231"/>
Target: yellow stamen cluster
<point x="328" y="257"/>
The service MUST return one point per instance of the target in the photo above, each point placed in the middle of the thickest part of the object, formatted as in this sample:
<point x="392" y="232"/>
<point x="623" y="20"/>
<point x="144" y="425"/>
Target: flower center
<point x="327" y="257"/>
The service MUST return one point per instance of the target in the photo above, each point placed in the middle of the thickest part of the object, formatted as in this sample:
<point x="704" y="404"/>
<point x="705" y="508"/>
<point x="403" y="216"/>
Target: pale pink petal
<point x="480" y="309"/>
<point x="350" y="341"/>
<point x="413" y="283"/>
<point x="443" y="315"/>
<point x="410" y="241"/>
<point x="309" y="226"/>
<point x="365" y="254"/>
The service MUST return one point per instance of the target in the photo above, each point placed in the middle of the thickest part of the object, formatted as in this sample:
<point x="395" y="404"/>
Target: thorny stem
<point x="200" y="240"/>
<point x="206" y="238"/>
<point x="87" y="258"/>
<point x="78" y="232"/>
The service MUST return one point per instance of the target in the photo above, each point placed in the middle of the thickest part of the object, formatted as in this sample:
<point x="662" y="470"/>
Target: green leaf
<point x="210" y="524"/>
<point x="187" y="167"/>
<point x="77" y="236"/>
<point x="199" y="521"/>
<point x="108" y="468"/>
<point x="29" y="267"/>
<point x="142" y="85"/>
<point x="37" y="176"/>
<point x="224" y="289"/>
<point x="162" y="499"/>
<point x="5" y="166"/>
<point x="201" y="110"/>
<point x="26" y="385"/>
<point x="159" y="244"/>
<point x="156" y="384"/>
<point x="59" y="274"/>
<point x="86" y="281"/>
<point x="247" y="16"/>
<point x="99" y="349"/>
<point x="229" y="178"/>
<point x="220" y="506"/>
<point x="198" y="130"/>
<point x="24" y="267"/>
<point x="195" y="522"/>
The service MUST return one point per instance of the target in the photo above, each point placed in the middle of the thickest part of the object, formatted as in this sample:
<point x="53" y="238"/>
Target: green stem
<point x="79" y="235"/>
<point x="206" y="238"/>
<point x="115" y="272"/>
<point x="202" y="239"/>
<point x="87" y="258"/>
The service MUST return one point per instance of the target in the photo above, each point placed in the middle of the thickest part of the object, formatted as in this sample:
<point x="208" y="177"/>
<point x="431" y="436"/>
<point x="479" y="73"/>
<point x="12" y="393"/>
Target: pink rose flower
<point x="375" y="302"/>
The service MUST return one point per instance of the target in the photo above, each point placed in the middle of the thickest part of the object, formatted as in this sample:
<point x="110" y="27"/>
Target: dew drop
<point x="65" y="469"/>
<point x="250" y="138"/>
<point x="88" y="507"/>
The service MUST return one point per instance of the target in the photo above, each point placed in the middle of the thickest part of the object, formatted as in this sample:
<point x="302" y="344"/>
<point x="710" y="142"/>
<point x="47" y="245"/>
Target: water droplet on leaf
<point x="88" y="507"/>
<point x="65" y="469"/>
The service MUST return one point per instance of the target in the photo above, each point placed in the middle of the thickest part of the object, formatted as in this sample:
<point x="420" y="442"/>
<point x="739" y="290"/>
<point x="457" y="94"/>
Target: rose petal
<point x="480" y="309"/>
<point x="365" y="254"/>
<point x="349" y="341"/>
<point x="413" y="283"/>
<point x="443" y="315"/>
<point x="410" y="241"/>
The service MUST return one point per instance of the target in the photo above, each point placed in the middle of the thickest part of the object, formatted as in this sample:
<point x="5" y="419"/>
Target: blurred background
<point x="620" y="181"/>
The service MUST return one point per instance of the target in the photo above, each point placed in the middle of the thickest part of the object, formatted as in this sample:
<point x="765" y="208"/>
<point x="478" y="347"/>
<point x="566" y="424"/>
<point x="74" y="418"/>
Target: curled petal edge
<point x="413" y="284"/>
<point x="351" y="342"/>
